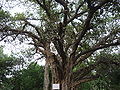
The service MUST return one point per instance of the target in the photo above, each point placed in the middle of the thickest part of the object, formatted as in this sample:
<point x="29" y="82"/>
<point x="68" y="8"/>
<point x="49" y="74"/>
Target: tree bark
<point x="65" y="83"/>
<point x="46" y="77"/>
<point x="66" y="86"/>
<point x="57" y="74"/>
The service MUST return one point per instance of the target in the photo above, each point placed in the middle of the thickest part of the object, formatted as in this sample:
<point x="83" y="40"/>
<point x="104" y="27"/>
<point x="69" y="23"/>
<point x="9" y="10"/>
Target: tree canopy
<point x="68" y="34"/>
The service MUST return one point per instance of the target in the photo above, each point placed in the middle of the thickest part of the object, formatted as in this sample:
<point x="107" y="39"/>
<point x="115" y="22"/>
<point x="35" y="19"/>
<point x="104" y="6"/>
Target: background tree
<point x="15" y="77"/>
<point x="69" y="33"/>
<point x="31" y="78"/>
<point x="9" y="65"/>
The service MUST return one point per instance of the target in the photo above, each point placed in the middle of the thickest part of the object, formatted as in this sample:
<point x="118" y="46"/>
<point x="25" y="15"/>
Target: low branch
<point x="86" y="79"/>
<point x="81" y="59"/>
<point x="79" y="74"/>
<point x="82" y="73"/>
<point x="97" y="48"/>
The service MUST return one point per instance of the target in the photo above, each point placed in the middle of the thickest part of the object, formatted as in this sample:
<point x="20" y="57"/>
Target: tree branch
<point x="82" y="56"/>
<point x="86" y="26"/>
<point x="86" y="79"/>
<point x="82" y="33"/>
<point x="59" y="46"/>
<point x="82" y="72"/>
<point x="21" y="32"/>
<point x="63" y="3"/>
<point x="44" y="7"/>
<point x="81" y="59"/>
<point x="97" y="48"/>
<point x="103" y="2"/>
<point x="66" y="10"/>
<point x="36" y="28"/>
<point x="76" y="15"/>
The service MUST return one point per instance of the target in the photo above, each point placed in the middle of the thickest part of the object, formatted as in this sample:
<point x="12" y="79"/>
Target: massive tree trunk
<point x="58" y="75"/>
<point x="61" y="70"/>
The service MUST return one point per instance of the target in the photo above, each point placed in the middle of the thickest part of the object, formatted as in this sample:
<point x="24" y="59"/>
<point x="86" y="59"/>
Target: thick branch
<point x="44" y="7"/>
<point x="36" y="28"/>
<point x="66" y="10"/>
<point x="82" y="58"/>
<point x="81" y="35"/>
<point x="86" y="79"/>
<point x="97" y="48"/>
<point x="21" y="32"/>
<point x="79" y="74"/>
<point x="82" y="72"/>
<point x="83" y="55"/>
<point x="59" y="46"/>
<point x="62" y="2"/>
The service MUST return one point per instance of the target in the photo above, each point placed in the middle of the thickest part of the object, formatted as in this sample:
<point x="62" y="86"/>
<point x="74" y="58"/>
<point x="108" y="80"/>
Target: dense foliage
<point x="15" y="77"/>
<point x="29" y="79"/>
<point x="109" y="75"/>
<point x="8" y="66"/>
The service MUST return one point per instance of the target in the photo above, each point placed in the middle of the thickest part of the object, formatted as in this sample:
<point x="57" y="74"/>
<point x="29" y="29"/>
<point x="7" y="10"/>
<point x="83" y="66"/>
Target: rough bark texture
<point x="46" y="77"/>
